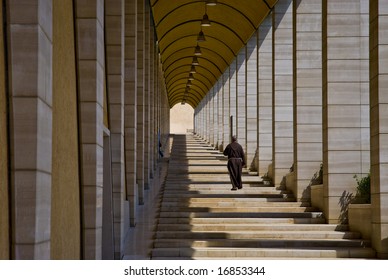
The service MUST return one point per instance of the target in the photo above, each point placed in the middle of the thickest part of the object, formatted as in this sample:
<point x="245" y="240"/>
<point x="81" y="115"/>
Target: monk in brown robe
<point x="236" y="161"/>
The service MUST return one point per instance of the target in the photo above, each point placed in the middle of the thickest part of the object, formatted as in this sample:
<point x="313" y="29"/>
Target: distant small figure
<point x="160" y="150"/>
<point x="236" y="161"/>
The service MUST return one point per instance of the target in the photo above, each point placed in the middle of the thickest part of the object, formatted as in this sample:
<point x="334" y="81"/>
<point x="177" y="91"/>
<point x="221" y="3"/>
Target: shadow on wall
<point x="181" y="119"/>
<point x="345" y="199"/>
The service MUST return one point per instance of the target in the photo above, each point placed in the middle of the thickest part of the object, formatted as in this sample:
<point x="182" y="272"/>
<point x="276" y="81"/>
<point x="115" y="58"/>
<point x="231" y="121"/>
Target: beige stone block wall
<point x="65" y="197"/>
<point x="4" y="183"/>
<point x="360" y="219"/>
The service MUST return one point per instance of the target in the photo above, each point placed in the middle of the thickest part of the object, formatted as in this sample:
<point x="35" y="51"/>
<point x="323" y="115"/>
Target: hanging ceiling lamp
<point x="192" y="70"/>
<point x="201" y="37"/>
<point x="195" y="61"/>
<point x="191" y="76"/>
<point x="205" y="20"/>
<point x="189" y="84"/>
<point x="197" y="50"/>
<point x="211" y="2"/>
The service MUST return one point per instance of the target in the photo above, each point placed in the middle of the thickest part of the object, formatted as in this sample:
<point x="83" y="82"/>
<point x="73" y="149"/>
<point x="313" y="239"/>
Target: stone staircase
<point x="201" y="218"/>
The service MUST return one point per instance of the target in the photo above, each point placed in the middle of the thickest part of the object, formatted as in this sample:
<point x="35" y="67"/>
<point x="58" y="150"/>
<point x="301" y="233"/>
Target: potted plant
<point x="363" y="189"/>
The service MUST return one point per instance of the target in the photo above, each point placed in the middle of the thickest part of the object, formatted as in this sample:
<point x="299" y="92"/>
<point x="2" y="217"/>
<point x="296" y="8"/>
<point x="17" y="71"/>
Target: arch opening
<point x="181" y="119"/>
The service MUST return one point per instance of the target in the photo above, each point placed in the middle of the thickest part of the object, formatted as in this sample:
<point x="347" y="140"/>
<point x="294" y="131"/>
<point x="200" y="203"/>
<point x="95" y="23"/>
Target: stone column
<point x="147" y="85"/>
<point x="226" y="113"/>
<point x="140" y="173"/>
<point x="65" y="193"/>
<point x="379" y="125"/>
<point x="345" y="103"/>
<point x="252" y="102"/>
<point x="201" y="119"/>
<point x="153" y="132"/>
<point x="212" y="110"/>
<point x="220" y="114"/>
<point x="283" y="92"/>
<point x="114" y="20"/>
<point x="241" y="120"/>
<point x="264" y="110"/>
<point x="30" y="64"/>
<point x="208" y="126"/>
<point x="130" y="108"/>
<point x="4" y="151"/>
<point x="91" y="68"/>
<point x="215" y="116"/>
<point x="307" y="95"/>
<point x="233" y="95"/>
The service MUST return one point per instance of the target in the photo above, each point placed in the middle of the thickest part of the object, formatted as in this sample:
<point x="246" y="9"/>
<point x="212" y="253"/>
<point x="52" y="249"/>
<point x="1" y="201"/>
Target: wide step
<point x="242" y="253"/>
<point x="201" y="218"/>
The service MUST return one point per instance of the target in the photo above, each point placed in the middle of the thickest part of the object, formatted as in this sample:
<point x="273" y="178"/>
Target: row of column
<point x="86" y="107"/>
<point x="301" y="93"/>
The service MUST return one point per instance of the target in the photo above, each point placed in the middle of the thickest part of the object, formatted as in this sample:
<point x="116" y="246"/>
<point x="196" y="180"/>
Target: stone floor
<point x="140" y="238"/>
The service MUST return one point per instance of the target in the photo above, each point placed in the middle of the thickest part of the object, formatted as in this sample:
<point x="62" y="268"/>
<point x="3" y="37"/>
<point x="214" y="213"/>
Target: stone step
<point x="236" y="221"/>
<point x="250" y="227"/>
<point x="240" y="215"/>
<point x="216" y="185"/>
<point x="260" y="243"/>
<point x="268" y="209"/>
<point x="190" y="178"/>
<point x="248" y="253"/>
<point x="225" y="191"/>
<point x="279" y="235"/>
<point x="230" y="200"/>
<point x="220" y="203"/>
<point x="224" y="194"/>
<point x="201" y="218"/>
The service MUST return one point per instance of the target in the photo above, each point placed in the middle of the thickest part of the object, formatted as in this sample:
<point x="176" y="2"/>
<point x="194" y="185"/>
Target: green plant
<point x="318" y="177"/>
<point x="363" y="187"/>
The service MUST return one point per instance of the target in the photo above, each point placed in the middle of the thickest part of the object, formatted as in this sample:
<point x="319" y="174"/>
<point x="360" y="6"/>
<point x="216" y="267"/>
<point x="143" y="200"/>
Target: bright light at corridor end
<point x="181" y="119"/>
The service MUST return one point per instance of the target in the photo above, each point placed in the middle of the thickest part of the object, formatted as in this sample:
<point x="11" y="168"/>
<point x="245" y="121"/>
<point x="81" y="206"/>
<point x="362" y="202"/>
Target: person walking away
<point x="236" y="161"/>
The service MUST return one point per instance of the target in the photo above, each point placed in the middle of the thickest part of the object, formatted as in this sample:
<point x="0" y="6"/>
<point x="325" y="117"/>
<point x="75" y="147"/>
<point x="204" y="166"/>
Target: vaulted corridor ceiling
<point x="178" y="24"/>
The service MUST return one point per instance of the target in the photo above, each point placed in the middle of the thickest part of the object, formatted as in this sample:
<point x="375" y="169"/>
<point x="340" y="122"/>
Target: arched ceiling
<point x="178" y="23"/>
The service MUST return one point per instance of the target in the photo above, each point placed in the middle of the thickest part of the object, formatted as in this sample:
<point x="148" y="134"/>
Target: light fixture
<point x="191" y="76"/>
<point x="201" y="37"/>
<point x="187" y="89"/>
<point x="192" y="70"/>
<point x="195" y="61"/>
<point x="197" y="50"/>
<point x="205" y="20"/>
<point x="189" y="84"/>
<point x="211" y="2"/>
